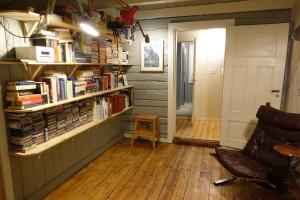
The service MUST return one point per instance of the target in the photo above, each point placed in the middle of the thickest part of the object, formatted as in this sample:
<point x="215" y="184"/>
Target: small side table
<point x="151" y="133"/>
<point x="290" y="152"/>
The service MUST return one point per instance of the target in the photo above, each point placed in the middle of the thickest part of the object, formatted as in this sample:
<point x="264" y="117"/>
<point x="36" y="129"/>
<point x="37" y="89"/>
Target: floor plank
<point x="169" y="172"/>
<point x="200" y="129"/>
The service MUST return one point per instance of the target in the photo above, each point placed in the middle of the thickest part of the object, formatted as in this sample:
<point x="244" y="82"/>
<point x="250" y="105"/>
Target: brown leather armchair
<point x="272" y="153"/>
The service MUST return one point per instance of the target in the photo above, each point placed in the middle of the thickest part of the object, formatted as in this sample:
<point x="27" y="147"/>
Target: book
<point x="51" y="81"/>
<point x="16" y="83"/>
<point x="22" y="98"/>
<point x="27" y="102"/>
<point x="24" y="107"/>
<point x="125" y="81"/>
<point x="20" y="87"/>
<point x="19" y="93"/>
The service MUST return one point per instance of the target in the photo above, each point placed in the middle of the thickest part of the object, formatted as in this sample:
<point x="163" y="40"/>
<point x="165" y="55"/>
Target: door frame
<point x="173" y="28"/>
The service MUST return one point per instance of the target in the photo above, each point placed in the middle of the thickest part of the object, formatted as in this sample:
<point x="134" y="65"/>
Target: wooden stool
<point x="151" y="133"/>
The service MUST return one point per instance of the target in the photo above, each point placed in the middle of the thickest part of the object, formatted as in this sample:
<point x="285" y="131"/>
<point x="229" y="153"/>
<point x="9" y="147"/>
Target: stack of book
<point x="21" y="130"/>
<point x="22" y="95"/>
<point x="75" y="114"/>
<point x="69" y="117"/>
<point x="38" y="123"/>
<point x="80" y="57"/>
<point x="114" y="54"/>
<point x="61" y="120"/>
<point x="95" y="51"/>
<point x="102" y="51"/>
<point x="86" y="111"/>
<point x="108" y="52"/>
<point x="51" y="123"/>
<point x="80" y="88"/>
<point x="88" y="77"/>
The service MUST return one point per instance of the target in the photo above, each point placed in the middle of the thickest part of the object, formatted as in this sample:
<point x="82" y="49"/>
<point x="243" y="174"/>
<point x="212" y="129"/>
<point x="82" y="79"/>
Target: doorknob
<point x="275" y="91"/>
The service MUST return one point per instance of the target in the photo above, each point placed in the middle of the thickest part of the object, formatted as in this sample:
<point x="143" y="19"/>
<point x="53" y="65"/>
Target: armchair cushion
<point x="240" y="164"/>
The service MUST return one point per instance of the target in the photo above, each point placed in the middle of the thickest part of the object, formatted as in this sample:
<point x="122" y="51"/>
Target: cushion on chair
<point x="240" y="164"/>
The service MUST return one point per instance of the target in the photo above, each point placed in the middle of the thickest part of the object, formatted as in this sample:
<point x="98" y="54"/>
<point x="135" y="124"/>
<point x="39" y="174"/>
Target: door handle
<point x="275" y="91"/>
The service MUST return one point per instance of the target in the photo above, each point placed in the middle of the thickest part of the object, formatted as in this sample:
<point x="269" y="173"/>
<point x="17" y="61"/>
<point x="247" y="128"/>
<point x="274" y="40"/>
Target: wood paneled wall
<point x="150" y="88"/>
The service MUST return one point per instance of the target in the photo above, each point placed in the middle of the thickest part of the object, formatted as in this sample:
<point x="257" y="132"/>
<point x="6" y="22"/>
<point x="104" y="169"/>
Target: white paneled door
<point x="255" y="61"/>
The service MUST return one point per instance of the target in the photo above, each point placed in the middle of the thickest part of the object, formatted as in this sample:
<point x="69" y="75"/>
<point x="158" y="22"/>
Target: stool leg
<point x="153" y="143"/>
<point x="132" y="140"/>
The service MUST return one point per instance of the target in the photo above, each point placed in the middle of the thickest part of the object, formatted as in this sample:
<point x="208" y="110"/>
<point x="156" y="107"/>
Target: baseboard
<point x="164" y="140"/>
<point x="39" y="194"/>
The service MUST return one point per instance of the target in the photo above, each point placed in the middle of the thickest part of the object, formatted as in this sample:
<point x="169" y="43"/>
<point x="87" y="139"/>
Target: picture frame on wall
<point x="152" y="56"/>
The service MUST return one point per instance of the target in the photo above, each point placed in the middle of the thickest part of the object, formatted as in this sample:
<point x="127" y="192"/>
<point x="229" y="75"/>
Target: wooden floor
<point x="201" y="130"/>
<point x="169" y="172"/>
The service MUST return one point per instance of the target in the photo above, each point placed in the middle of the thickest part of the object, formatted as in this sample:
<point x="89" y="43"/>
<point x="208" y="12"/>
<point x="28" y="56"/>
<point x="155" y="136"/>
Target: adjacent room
<point x="150" y="99"/>
<point x="200" y="66"/>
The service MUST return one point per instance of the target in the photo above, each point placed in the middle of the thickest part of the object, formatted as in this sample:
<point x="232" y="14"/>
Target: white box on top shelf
<point x="37" y="53"/>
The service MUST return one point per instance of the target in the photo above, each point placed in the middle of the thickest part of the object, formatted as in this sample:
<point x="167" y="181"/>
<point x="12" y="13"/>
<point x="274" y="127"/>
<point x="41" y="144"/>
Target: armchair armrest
<point x="288" y="150"/>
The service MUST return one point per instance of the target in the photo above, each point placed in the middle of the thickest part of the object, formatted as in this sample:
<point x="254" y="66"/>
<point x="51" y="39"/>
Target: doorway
<point x="253" y="75"/>
<point x="200" y="66"/>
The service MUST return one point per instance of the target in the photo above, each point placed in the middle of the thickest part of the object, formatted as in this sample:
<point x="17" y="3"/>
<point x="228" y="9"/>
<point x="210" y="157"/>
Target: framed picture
<point x="152" y="56"/>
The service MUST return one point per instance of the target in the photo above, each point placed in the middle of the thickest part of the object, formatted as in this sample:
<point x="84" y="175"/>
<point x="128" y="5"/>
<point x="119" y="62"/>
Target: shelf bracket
<point x="34" y="70"/>
<point x="28" y="28"/>
<point x="73" y="70"/>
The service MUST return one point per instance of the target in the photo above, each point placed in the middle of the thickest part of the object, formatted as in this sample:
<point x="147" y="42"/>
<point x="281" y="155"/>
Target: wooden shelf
<point x="56" y="22"/>
<point x="24" y="16"/>
<point x="38" y="149"/>
<point x="50" y="105"/>
<point x="34" y="68"/>
<point x="31" y="62"/>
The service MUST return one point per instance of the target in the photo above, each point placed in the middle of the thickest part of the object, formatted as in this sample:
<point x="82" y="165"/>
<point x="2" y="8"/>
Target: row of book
<point x="55" y="86"/>
<point x="80" y="47"/>
<point x="30" y="129"/>
<point x="26" y="94"/>
<point x="111" y="104"/>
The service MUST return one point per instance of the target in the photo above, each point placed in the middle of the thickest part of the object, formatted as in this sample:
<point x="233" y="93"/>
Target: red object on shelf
<point x="128" y="15"/>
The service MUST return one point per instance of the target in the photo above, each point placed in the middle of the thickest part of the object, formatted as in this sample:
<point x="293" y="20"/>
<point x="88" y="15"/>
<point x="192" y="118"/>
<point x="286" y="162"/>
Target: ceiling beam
<point x="219" y="8"/>
<point x="112" y="3"/>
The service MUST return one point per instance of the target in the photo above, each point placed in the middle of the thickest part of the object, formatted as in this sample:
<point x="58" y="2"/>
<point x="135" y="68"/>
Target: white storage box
<point x="37" y="53"/>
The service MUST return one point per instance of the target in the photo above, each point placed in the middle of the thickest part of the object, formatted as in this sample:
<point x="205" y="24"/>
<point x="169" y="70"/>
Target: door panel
<point x="254" y="67"/>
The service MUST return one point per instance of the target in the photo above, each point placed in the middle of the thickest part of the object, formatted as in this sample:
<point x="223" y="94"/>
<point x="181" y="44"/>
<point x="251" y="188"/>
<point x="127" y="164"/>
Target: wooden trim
<point x="241" y="6"/>
<point x="172" y="31"/>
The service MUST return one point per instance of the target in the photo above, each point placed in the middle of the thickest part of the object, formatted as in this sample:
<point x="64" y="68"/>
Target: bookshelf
<point x="38" y="149"/>
<point x="86" y="96"/>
